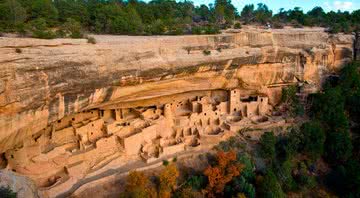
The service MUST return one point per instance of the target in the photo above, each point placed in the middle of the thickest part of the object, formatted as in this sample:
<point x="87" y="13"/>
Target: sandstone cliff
<point x="53" y="78"/>
<point x="70" y="111"/>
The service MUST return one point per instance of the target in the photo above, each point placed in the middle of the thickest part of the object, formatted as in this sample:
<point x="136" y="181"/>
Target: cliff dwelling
<point x="84" y="142"/>
<point x="127" y="102"/>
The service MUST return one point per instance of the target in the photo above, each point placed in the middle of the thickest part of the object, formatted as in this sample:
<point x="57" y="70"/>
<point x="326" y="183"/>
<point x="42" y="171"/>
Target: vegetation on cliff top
<point x="68" y="18"/>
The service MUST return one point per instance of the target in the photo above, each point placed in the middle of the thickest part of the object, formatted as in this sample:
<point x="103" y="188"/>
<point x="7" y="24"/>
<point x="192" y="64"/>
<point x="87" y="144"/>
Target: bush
<point x="156" y="28"/>
<point x="197" y="182"/>
<point x="7" y="193"/>
<point x="21" y="29"/>
<point x="39" y="29"/>
<point x="72" y="28"/>
<point x="18" y="50"/>
<point x="212" y="30"/>
<point x="240" y="185"/>
<point x="230" y="144"/>
<point x="278" y="25"/>
<point x="91" y="40"/>
<point x="296" y="24"/>
<point x="237" y="25"/>
<point x="284" y="174"/>
<point x="206" y="52"/>
<point x="165" y="162"/>
<point x="304" y="179"/>
<point x="197" y="30"/>
<point x="334" y="28"/>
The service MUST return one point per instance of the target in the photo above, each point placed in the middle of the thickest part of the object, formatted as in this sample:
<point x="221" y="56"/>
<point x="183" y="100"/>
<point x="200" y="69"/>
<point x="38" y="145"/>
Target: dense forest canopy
<point x="60" y="18"/>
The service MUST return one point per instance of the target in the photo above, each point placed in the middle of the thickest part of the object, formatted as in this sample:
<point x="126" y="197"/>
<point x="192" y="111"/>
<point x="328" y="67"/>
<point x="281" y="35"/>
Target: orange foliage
<point x="138" y="185"/>
<point x="168" y="180"/>
<point x="222" y="173"/>
<point x="136" y="180"/>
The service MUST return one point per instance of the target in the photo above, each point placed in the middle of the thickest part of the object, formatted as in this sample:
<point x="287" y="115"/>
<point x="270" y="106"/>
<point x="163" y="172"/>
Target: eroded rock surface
<point x="23" y="186"/>
<point x="72" y="111"/>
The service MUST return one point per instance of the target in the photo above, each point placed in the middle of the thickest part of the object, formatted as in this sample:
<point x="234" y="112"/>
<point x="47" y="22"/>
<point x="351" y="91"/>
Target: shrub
<point x="237" y="25"/>
<point x="18" y="50"/>
<point x="138" y="185"/>
<point x="156" y="28"/>
<point x="230" y="144"/>
<point x="211" y="29"/>
<point x="334" y="28"/>
<point x="278" y="25"/>
<point x="296" y="24"/>
<point x="72" y="28"/>
<point x="39" y="29"/>
<point x="240" y="185"/>
<point x="165" y="162"/>
<point x="91" y="40"/>
<point x="197" y="182"/>
<point x="7" y="193"/>
<point x="197" y="30"/>
<point x="206" y="52"/>
<point x="21" y="29"/>
<point x="167" y="180"/>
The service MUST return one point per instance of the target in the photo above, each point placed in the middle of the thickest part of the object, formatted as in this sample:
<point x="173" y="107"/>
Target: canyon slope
<point x="53" y="92"/>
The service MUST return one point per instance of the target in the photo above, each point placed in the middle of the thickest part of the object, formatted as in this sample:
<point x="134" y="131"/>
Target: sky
<point x="306" y="5"/>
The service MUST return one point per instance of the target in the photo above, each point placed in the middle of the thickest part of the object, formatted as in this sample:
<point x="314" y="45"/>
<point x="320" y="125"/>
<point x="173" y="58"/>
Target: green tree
<point x="317" y="16"/>
<point x="314" y="139"/>
<point x="328" y="107"/>
<point x="109" y="18"/>
<point x="224" y="11"/>
<point x="74" y="9"/>
<point x="352" y="179"/>
<point x="262" y="13"/>
<point x="44" y="9"/>
<point x="248" y="13"/>
<point x="267" y="143"/>
<point x="297" y="15"/>
<point x="287" y="147"/>
<point x="11" y="14"/>
<point x="284" y="175"/>
<point x="338" y="146"/>
<point x="72" y="28"/>
<point x="39" y="29"/>
<point x="135" y="25"/>
<point x="204" y="12"/>
<point x="270" y="187"/>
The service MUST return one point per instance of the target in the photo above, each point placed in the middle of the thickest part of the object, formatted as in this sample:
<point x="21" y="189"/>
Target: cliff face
<point x="73" y="112"/>
<point x="41" y="81"/>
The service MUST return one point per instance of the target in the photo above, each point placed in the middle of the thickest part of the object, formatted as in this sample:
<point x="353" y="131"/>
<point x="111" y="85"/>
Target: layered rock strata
<point x="70" y="111"/>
